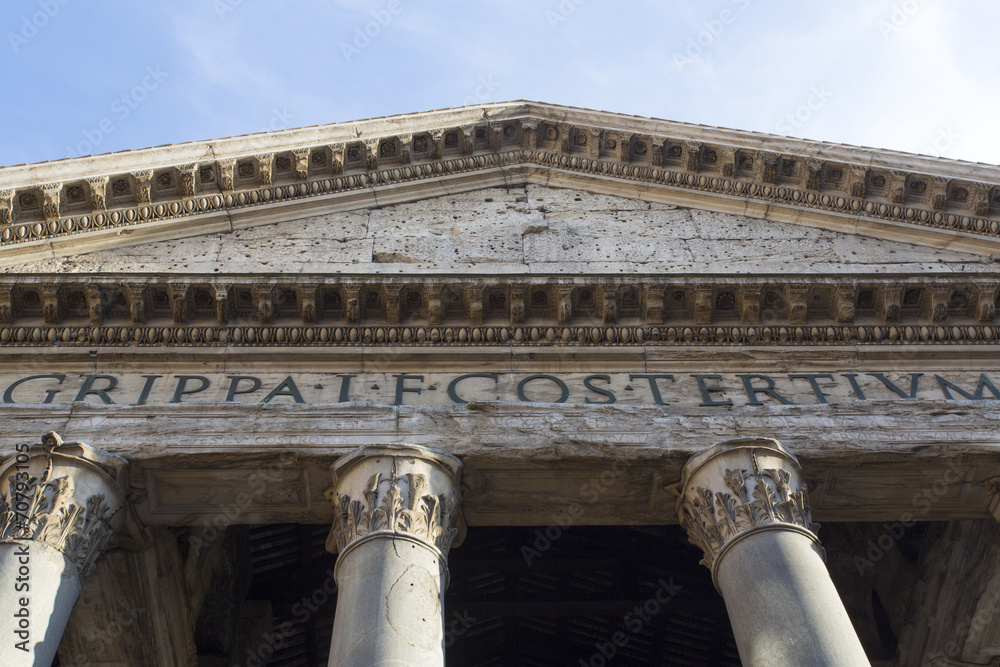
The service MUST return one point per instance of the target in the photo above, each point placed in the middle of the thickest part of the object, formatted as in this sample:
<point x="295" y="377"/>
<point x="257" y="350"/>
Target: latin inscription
<point x="717" y="391"/>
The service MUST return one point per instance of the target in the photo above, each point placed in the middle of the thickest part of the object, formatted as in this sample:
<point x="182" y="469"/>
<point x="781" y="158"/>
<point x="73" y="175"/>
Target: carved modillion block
<point x="736" y="488"/>
<point x="386" y="490"/>
<point x="68" y="496"/>
<point x="6" y="207"/>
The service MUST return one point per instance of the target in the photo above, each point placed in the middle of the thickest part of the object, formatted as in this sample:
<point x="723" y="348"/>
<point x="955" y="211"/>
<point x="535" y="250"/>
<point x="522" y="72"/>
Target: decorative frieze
<point x="143" y="185"/>
<point x="307" y="301"/>
<point x="178" y="303"/>
<point x="263" y="294"/>
<point x="50" y="303"/>
<point x="226" y="179"/>
<point x="136" y="300"/>
<point x="50" y="200"/>
<point x="265" y="162"/>
<point x="222" y="304"/>
<point x="6" y="307"/>
<point x="314" y="310"/>
<point x="187" y="179"/>
<point x="98" y="192"/>
<point x="95" y="305"/>
<point x="6" y="207"/>
<point x="301" y="163"/>
<point x="249" y="335"/>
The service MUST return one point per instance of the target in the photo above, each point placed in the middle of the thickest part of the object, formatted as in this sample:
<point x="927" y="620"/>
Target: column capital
<point x="66" y="495"/>
<point x="387" y="489"/>
<point x="738" y="487"/>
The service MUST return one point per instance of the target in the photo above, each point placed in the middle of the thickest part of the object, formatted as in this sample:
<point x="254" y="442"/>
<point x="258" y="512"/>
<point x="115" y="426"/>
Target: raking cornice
<point x="84" y="204"/>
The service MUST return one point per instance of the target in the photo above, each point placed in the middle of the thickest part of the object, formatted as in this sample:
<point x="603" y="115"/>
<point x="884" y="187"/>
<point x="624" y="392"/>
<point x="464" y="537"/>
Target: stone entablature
<point x="75" y="309"/>
<point x="351" y="161"/>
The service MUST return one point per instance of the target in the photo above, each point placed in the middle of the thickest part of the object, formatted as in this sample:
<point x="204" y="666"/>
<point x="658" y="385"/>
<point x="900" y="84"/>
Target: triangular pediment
<point x="529" y="229"/>
<point x="77" y="207"/>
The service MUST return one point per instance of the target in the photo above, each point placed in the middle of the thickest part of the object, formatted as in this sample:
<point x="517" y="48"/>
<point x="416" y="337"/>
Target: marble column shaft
<point x="60" y="508"/>
<point x="745" y="504"/>
<point x="398" y="513"/>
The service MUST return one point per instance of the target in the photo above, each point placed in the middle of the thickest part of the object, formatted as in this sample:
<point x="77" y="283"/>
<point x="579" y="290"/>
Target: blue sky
<point x="108" y="75"/>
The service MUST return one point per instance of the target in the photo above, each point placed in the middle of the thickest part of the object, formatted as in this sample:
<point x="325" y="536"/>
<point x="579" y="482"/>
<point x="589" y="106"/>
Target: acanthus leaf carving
<point x="396" y="503"/>
<point x="187" y="179"/>
<point x="714" y="519"/>
<point x="226" y="167"/>
<point x="301" y="163"/>
<point x="98" y="191"/>
<point x="50" y="200"/>
<point x="6" y="207"/>
<point x="143" y="185"/>
<point x="6" y="307"/>
<point x="265" y="163"/>
<point x="53" y="516"/>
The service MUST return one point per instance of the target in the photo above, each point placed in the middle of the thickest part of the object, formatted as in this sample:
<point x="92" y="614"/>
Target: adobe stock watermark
<point x="704" y="39"/>
<point x="120" y="622"/>
<point x="563" y="521"/>
<point x="977" y="624"/>
<point x="257" y="483"/>
<point x="223" y="7"/>
<point x="121" y="108"/>
<point x="562" y="12"/>
<point x="364" y="34"/>
<point x="483" y="92"/>
<point x="458" y="626"/>
<point x="302" y="611"/>
<point x="893" y="532"/>
<point x="634" y="622"/>
<point x="944" y="139"/>
<point x="794" y="120"/>
<point x="280" y="120"/>
<point x="272" y="642"/>
<point x="899" y="16"/>
<point x="22" y="505"/>
<point x="35" y="23"/>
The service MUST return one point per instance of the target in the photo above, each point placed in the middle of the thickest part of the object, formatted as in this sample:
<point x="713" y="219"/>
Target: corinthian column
<point x="745" y="504"/>
<point x="398" y="513"/>
<point x="60" y="511"/>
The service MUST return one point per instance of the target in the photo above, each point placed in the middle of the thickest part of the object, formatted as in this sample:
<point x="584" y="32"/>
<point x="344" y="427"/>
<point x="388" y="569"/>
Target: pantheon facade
<point x="517" y="384"/>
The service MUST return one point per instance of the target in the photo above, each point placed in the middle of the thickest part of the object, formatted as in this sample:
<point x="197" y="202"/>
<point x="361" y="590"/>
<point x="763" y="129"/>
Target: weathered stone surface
<point x="522" y="460"/>
<point x="953" y="619"/>
<point x="525" y="229"/>
<point x="134" y="610"/>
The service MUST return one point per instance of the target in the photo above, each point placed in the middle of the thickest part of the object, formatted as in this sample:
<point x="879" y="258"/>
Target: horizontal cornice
<point x="140" y="310"/>
<point x="82" y="204"/>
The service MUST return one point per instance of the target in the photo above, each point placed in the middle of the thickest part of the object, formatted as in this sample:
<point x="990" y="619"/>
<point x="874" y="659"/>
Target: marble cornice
<point x="73" y="310"/>
<point x="395" y="159"/>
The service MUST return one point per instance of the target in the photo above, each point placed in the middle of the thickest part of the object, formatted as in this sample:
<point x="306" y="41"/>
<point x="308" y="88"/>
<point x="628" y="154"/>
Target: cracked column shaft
<point x="61" y="506"/>
<point x="398" y="512"/>
<point x="745" y="504"/>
